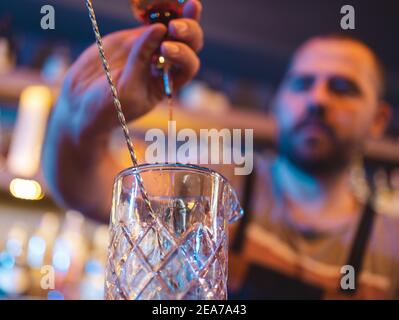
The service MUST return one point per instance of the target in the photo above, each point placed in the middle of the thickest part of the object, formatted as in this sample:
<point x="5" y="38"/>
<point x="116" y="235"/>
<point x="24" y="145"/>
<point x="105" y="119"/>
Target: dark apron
<point x="262" y="282"/>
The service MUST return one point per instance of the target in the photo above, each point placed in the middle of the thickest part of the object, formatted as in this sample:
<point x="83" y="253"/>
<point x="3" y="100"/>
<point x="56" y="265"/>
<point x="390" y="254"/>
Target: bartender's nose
<point x="318" y="98"/>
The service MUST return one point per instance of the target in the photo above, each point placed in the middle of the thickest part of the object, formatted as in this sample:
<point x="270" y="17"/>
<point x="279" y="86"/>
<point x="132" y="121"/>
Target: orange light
<point x="26" y="189"/>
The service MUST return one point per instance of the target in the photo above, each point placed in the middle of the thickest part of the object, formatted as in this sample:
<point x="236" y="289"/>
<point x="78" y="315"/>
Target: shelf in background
<point x="385" y="150"/>
<point x="12" y="84"/>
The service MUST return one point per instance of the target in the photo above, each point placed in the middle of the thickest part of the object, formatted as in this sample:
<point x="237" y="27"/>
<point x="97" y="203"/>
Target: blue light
<point x="61" y="261"/>
<point x="154" y="15"/>
<point x="14" y="246"/>
<point x="93" y="266"/>
<point x="36" y="250"/>
<point x="55" y="295"/>
<point x="7" y="261"/>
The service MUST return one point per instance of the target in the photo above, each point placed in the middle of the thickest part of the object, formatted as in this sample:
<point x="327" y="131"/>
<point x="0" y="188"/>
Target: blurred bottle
<point x="14" y="275"/>
<point x="56" y="65"/>
<point x="28" y="136"/>
<point x="2" y="141"/>
<point x="359" y="183"/>
<point x="39" y="251"/>
<point x="394" y="177"/>
<point x="70" y="254"/>
<point x="92" y="285"/>
<point x="383" y="193"/>
<point x="7" y="47"/>
<point x="199" y="97"/>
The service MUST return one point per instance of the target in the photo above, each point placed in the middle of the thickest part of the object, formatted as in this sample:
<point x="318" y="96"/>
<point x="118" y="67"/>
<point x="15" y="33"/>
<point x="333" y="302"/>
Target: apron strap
<point x="361" y="239"/>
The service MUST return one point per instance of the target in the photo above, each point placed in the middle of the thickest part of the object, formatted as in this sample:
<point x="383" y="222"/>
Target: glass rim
<point x="167" y="167"/>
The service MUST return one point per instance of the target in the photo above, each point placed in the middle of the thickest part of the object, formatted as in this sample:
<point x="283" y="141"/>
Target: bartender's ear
<point x="381" y="120"/>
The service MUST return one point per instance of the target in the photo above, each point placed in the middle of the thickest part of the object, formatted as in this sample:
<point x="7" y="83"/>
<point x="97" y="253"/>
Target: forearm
<point x="79" y="173"/>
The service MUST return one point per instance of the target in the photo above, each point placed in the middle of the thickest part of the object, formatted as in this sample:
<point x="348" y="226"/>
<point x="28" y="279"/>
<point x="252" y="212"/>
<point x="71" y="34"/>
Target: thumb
<point x="140" y="56"/>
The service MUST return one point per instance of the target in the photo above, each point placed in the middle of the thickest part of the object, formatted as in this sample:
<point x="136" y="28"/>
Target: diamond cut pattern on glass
<point x="180" y="250"/>
<point x="153" y="291"/>
<point x="155" y="245"/>
<point x="177" y="273"/>
<point x="156" y="267"/>
<point x="134" y="276"/>
<point x="198" y="246"/>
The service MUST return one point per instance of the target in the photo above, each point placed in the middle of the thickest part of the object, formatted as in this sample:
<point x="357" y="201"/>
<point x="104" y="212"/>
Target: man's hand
<point x="78" y="167"/>
<point x="130" y="54"/>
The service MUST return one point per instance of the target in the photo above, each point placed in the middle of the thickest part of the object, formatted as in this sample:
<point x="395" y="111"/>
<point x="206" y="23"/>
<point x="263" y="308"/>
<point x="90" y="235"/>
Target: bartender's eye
<point x="298" y="83"/>
<point x="344" y="86"/>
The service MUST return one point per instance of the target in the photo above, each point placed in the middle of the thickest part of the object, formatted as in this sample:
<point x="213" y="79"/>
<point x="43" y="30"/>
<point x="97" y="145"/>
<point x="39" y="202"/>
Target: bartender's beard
<point x="337" y="158"/>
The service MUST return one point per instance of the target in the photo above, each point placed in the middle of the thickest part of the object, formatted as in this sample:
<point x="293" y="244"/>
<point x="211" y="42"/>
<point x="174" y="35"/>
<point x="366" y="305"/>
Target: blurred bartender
<point x="305" y="219"/>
